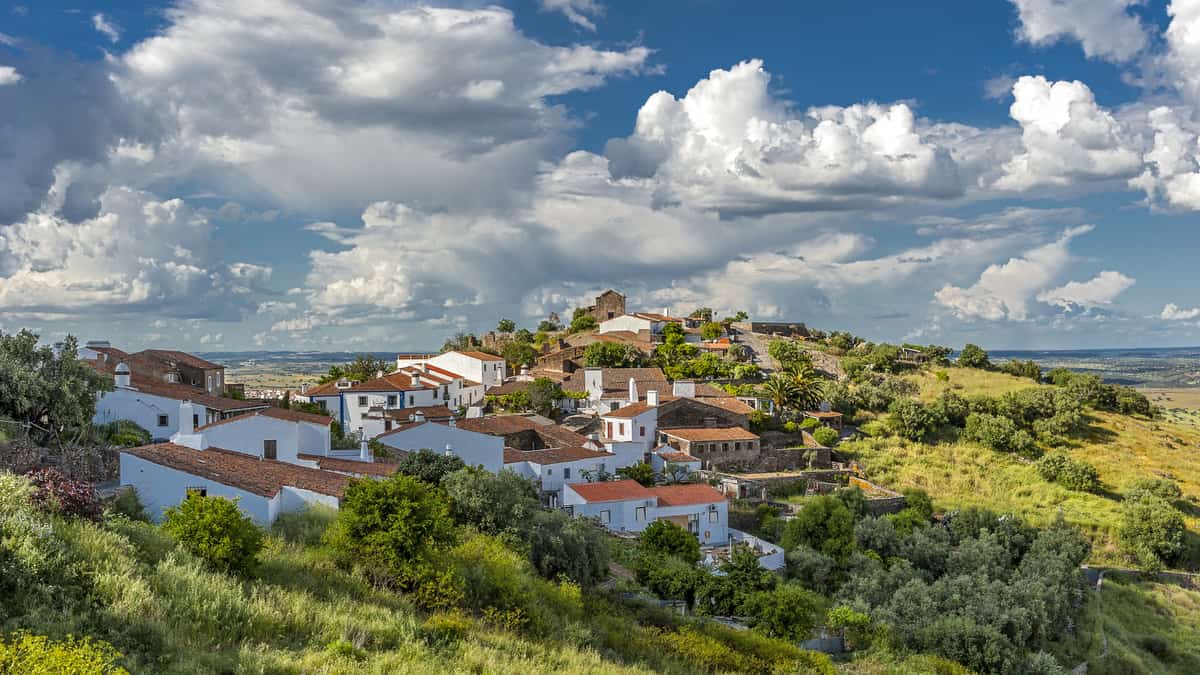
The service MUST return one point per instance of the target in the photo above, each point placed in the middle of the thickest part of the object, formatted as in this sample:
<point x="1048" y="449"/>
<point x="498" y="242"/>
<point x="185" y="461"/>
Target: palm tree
<point x="781" y="390"/>
<point x="808" y="385"/>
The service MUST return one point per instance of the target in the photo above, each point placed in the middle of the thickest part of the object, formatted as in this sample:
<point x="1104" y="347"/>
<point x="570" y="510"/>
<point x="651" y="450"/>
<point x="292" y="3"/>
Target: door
<point x="269" y="449"/>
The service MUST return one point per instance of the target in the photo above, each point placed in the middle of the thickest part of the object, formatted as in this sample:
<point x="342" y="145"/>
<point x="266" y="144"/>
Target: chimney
<point x="121" y="375"/>
<point x="416" y="380"/>
<point x="424" y="367"/>
<point x="418" y="417"/>
<point x="186" y="412"/>
<point x="453" y="423"/>
<point x="449" y="450"/>
<point x="652" y="397"/>
<point x="684" y="388"/>
<point x="364" y="451"/>
<point x="633" y="392"/>
<point x="304" y="388"/>
<point x="378" y="374"/>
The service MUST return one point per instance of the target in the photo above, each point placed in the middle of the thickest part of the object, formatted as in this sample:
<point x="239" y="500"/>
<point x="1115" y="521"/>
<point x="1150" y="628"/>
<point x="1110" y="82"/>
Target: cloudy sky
<point x="325" y="174"/>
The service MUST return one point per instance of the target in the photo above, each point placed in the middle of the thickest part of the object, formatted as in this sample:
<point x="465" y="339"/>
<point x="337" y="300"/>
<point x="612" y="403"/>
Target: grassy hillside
<point x="959" y="474"/>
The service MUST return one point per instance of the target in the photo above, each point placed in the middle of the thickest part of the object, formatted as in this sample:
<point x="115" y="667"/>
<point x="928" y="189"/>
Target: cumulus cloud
<point x="1097" y="292"/>
<point x="1173" y="312"/>
<point x="1066" y="138"/>
<point x="577" y="12"/>
<point x="106" y="27"/>
<point x="138" y="254"/>
<point x="1104" y="28"/>
<point x="446" y="107"/>
<point x="9" y="75"/>
<point x="1004" y="291"/>
<point x="730" y="145"/>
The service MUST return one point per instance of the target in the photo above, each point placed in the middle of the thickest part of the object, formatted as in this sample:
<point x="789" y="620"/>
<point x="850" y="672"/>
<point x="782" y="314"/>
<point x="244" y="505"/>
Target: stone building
<point x="716" y="446"/>
<point x="609" y="304"/>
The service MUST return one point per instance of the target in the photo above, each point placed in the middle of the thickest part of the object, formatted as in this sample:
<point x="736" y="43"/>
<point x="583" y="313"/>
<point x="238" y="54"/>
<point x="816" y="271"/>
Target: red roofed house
<point x="668" y="460"/>
<point x="488" y="370"/>
<point x="627" y="506"/>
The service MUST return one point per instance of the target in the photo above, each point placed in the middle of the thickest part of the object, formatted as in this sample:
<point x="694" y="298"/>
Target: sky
<point x="330" y="175"/>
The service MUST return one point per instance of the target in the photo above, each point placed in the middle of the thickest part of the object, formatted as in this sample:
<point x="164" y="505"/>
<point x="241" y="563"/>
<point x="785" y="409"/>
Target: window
<point x="411" y="400"/>
<point x="391" y="401"/>
<point x="609" y="434"/>
<point x="549" y="471"/>
<point x="621" y="428"/>
<point x="195" y="421"/>
<point x="362" y="400"/>
<point x="694" y="523"/>
<point x="642" y="432"/>
<point x="605" y="516"/>
<point x="196" y="492"/>
<point x="714" y="516"/>
<point x="163" y="421"/>
<point x="387" y="425"/>
<point x="640" y="514"/>
<point x="724" y="447"/>
<point x="210" y="384"/>
<point x="269" y="449"/>
<point x="323" y="405"/>
<point x="566" y="473"/>
<point x="737" y="446"/>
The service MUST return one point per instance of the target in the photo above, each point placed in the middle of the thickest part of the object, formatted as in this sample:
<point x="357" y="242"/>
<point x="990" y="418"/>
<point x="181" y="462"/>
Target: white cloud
<point x="1011" y="218"/>
<point x="1173" y="312"/>
<point x="1004" y="291"/>
<point x="438" y="106"/>
<point x="1066" y="138"/>
<point x="106" y="27"/>
<point x="576" y="11"/>
<point x="1104" y="28"/>
<point x="1097" y="292"/>
<point x="9" y="75"/>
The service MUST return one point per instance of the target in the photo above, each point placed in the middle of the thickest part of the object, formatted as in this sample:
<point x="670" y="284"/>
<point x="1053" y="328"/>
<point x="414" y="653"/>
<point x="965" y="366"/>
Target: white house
<point x="552" y="468"/>
<point x="630" y="432"/>
<point x="164" y="475"/>
<point x="155" y="406"/>
<point x="486" y="369"/>
<point x="637" y="322"/>
<point x="350" y="402"/>
<point x="627" y="506"/>
<point x="272" y="433"/>
<point x="473" y="448"/>
<point x="380" y="420"/>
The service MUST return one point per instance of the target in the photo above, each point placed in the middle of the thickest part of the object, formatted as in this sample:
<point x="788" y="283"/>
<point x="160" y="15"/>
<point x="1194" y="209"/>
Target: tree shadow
<point x="1094" y="433"/>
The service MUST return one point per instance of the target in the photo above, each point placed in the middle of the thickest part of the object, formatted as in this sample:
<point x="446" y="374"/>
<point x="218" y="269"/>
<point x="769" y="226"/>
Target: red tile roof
<point x="182" y="358"/>
<point x="391" y="382"/>
<point x="352" y="466"/>
<point x="553" y="455"/>
<point x="265" y="477"/>
<point x="704" y="434"/>
<point x="677" y="457"/>
<point x="431" y="412"/>
<point x="684" y="495"/>
<point x="182" y="392"/>
<point x="631" y="410"/>
<point x="275" y="413"/>
<point x="823" y="414"/>
<point x="612" y="491"/>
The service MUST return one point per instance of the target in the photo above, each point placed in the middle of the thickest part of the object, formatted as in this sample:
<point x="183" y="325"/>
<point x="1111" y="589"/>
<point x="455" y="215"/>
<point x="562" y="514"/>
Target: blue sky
<point x="377" y="175"/>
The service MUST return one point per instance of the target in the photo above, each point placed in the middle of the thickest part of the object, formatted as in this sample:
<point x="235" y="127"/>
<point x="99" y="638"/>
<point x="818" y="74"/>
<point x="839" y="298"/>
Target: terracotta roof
<point x="730" y="403"/>
<point x="431" y="412"/>
<point x="452" y="375"/>
<point x="612" y="491"/>
<point x="182" y="392"/>
<point x="657" y="317"/>
<point x="675" y="456"/>
<point x="265" y="477"/>
<point x="553" y="455"/>
<point x="482" y="356"/>
<point x="391" y="382"/>
<point x="508" y="388"/>
<point x="275" y="413"/>
<point x="342" y="465"/>
<point x="498" y="425"/>
<point x="631" y="410"/>
<point x="182" y="358"/>
<point x="683" y="495"/>
<point x="823" y="414"/>
<point x="712" y="434"/>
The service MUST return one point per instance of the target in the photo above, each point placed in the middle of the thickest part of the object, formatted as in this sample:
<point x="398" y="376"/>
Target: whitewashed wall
<point x="472" y="447"/>
<point x="144" y="409"/>
<point x="160" y="487"/>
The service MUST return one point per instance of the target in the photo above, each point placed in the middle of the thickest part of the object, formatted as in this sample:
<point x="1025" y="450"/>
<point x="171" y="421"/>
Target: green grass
<point x="1148" y="627"/>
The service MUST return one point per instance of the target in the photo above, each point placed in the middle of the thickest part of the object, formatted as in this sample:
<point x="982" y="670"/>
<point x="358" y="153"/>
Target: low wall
<point x="772" y="558"/>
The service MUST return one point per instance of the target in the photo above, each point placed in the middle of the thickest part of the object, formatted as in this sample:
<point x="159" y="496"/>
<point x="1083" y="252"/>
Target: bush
<point x="996" y="432"/>
<point x="491" y="502"/>
<point x="562" y="546"/>
<point x="909" y="419"/>
<point x="1022" y="369"/>
<point x="1151" y="530"/>
<point x="429" y="466"/>
<point x="950" y="408"/>
<point x="56" y="493"/>
<point x="386" y="525"/>
<point x="1159" y="487"/>
<point x="809" y="423"/>
<point x="824" y="524"/>
<point x="641" y="472"/>
<point x="788" y="611"/>
<point x="663" y="537"/>
<point x="826" y="437"/>
<point x="1071" y="474"/>
<point x="306" y="527"/>
<point x="127" y="503"/>
<point x="122" y="433"/>
<point x="443" y="629"/>
<point x="214" y="530"/>
<point x="38" y="655"/>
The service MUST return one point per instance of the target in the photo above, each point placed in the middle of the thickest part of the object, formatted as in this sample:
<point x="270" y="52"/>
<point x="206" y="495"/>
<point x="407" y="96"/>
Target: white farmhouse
<point x="552" y="468"/>
<point x="351" y="402"/>
<point x="628" y="506"/>
<point x="638" y="322"/>
<point x="630" y="432"/>
<point x="272" y="433"/>
<point x="164" y="475"/>
<point x="473" y="448"/>
<point x="155" y="406"/>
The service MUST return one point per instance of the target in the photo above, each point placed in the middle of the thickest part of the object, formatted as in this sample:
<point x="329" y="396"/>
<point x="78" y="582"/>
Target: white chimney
<point x="364" y="451"/>
<point x="684" y="388"/>
<point x="121" y="375"/>
<point x="449" y="450"/>
<point x="424" y="367"/>
<point x="651" y="397"/>
<point x="187" y="422"/>
<point x="378" y="374"/>
<point x="304" y="388"/>
<point x="453" y="423"/>
<point x="416" y="380"/>
<point x="418" y="417"/>
<point x="633" y="392"/>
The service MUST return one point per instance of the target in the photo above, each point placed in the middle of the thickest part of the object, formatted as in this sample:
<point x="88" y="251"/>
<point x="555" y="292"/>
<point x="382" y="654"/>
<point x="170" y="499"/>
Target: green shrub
<point x="791" y="427"/>
<point x="1159" y="487"/>
<point x="809" y="423"/>
<point x="973" y="357"/>
<point x="443" y="629"/>
<point x="1151" y="530"/>
<point x="346" y="650"/>
<point x="38" y="655"/>
<point x="910" y="419"/>
<point x="666" y="538"/>
<point x="305" y="527"/>
<point x="826" y="436"/>
<point x="561" y="546"/>
<point x="429" y="466"/>
<point x="122" y="433"/>
<point x="1071" y="474"/>
<point x="787" y="611"/>
<point x="214" y="530"/>
<point x="998" y="433"/>
<point x="127" y="503"/>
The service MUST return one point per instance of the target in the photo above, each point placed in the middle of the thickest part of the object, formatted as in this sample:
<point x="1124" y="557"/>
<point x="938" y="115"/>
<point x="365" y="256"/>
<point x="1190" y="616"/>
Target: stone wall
<point x="94" y="464"/>
<point x="683" y="413"/>
<point x="608" y="305"/>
